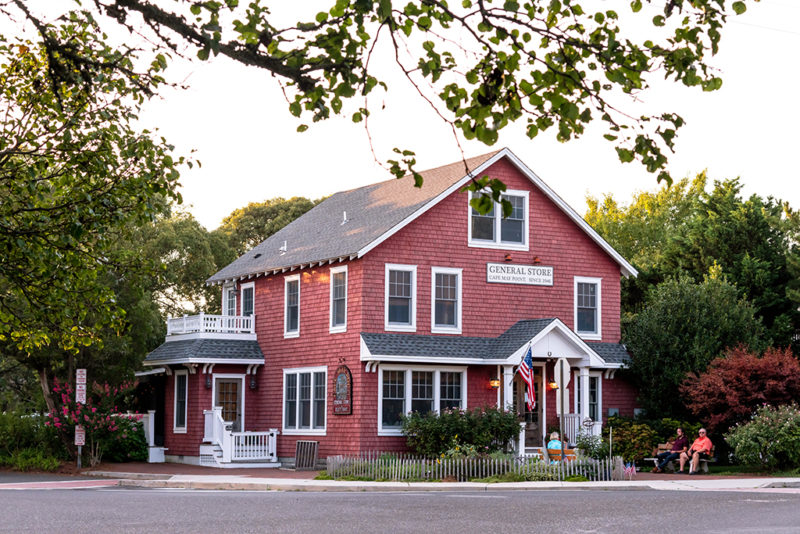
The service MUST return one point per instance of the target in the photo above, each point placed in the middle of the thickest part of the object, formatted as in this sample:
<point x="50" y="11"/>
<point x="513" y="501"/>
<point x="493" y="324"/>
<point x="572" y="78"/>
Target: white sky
<point x="237" y="121"/>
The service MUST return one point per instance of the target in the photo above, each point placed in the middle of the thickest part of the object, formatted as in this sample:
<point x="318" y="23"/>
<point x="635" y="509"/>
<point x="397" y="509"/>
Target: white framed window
<point x="338" y="299"/>
<point x="588" y="318"/>
<point x="445" y="300"/>
<point x="181" y="397"/>
<point x="595" y="395"/>
<point x="492" y="230"/>
<point x="400" y="302"/>
<point x="248" y="298"/>
<point x="403" y="389"/>
<point x="229" y="300"/>
<point x="291" y="307"/>
<point x="304" y="400"/>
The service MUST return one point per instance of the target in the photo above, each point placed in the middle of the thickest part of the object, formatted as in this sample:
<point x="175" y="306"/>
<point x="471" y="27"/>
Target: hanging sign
<point x="343" y="391"/>
<point x="80" y="393"/>
<point x="529" y="275"/>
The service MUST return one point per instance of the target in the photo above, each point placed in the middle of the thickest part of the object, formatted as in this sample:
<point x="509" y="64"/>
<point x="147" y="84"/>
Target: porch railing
<point x="218" y="324"/>
<point x="238" y="446"/>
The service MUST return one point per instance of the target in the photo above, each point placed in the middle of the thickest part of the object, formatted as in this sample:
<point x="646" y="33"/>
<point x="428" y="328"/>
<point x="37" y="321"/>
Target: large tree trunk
<point x="48" y="399"/>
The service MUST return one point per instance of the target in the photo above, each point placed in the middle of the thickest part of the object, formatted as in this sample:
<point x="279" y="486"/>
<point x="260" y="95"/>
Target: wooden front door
<point x="228" y="396"/>
<point x="533" y="418"/>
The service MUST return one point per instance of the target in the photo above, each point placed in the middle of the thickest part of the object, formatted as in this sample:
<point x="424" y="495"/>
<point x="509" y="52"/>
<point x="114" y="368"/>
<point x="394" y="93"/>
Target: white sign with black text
<point x="530" y="275"/>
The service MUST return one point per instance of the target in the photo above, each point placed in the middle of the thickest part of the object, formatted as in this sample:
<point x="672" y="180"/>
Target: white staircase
<point x="224" y="448"/>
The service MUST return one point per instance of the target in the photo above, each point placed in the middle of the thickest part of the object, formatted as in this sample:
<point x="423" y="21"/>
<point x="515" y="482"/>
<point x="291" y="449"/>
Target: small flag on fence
<point x="525" y="370"/>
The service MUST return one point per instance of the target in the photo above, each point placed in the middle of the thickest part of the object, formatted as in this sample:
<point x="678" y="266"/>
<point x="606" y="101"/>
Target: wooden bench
<point x="665" y="447"/>
<point x="554" y="455"/>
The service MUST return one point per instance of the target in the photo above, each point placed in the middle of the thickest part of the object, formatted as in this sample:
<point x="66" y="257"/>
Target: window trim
<point x="335" y="329"/>
<point x="226" y="291"/>
<point x="242" y="288"/>
<point x="413" y="312"/>
<point x="286" y="281"/>
<point x="228" y="376"/>
<point x="175" y="428"/>
<point x="598" y="335"/>
<point x="304" y="431"/>
<point x="497" y="243"/>
<point x="437" y="370"/>
<point x="592" y="374"/>
<point x="443" y="329"/>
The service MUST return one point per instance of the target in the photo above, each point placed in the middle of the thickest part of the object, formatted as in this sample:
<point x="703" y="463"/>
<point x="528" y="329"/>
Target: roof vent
<point x="284" y="248"/>
<point x="344" y="217"/>
<point x="257" y="255"/>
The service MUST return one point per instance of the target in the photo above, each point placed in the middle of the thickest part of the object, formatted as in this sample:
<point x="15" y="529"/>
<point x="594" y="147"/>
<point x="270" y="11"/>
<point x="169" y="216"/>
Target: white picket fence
<point x="374" y="465"/>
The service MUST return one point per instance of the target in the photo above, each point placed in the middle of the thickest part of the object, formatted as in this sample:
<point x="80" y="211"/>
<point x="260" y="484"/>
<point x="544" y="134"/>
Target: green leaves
<point x="739" y="7"/>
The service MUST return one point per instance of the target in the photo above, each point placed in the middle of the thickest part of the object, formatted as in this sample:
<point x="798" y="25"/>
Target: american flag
<point x="525" y="370"/>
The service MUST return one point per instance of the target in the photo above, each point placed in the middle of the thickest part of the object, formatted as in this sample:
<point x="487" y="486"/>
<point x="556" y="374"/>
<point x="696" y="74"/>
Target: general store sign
<point x="529" y="275"/>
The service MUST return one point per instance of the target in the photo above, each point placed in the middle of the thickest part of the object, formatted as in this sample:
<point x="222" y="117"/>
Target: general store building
<point x="390" y="298"/>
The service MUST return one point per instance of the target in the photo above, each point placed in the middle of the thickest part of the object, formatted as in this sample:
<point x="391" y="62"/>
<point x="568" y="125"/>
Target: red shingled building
<point x="391" y="298"/>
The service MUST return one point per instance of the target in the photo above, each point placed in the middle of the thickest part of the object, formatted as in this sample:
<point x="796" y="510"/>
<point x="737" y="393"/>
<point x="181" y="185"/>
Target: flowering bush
<point x="631" y="439"/>
<point x="771" y="439"/>
<point x="485" y="429"/>
<point x="100" y="417"/>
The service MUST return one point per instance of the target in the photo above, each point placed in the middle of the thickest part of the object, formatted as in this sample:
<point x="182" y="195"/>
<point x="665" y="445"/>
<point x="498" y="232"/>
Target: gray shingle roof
<point x="611" y="352"/>
<point x="495" y="348"/>
<point x="206" y="349"/>
<point x="319" y="235"/>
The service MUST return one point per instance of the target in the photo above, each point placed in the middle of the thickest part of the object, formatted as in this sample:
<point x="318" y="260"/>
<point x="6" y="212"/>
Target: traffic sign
<point x="80" y="376"/>
<point x="80" y="393"/>
<point x="80" y="436"/>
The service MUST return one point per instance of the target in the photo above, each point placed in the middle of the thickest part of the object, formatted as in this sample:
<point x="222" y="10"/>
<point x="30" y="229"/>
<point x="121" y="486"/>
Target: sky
<point x="237" y="122"/>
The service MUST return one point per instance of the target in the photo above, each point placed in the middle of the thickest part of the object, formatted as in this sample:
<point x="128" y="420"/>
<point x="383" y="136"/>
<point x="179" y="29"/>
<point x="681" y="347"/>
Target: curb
<point x="127" y="476"/>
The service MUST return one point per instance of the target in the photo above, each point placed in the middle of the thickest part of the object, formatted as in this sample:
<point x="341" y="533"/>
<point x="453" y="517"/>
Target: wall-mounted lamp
<point x="552" y="384"/>
<point x="507" y="257"/>
<point x="253" y="383"/>
<point x="536" y="260"/>
<point x="494" y="383"/>
<point x="208" y="381"/>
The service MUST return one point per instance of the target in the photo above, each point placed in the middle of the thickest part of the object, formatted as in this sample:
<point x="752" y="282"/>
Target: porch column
<point x="508" y="389"/>
<point x="584" y="378"/>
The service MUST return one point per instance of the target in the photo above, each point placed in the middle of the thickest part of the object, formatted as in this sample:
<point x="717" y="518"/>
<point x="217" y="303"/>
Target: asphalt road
<point x="195" y="511"/>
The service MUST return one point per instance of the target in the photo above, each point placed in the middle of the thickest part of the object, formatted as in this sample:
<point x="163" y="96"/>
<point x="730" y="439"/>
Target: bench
<point x="554" y="455"/>
<point x="665" y="447"/>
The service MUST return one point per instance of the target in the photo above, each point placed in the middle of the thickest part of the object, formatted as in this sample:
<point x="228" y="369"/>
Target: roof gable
<point x="349" y="224"/>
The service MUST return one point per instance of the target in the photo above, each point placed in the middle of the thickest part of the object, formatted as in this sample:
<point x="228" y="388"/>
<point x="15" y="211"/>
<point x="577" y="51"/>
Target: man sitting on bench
<point x="700" y="450"/>
<point x="679" y="446"/>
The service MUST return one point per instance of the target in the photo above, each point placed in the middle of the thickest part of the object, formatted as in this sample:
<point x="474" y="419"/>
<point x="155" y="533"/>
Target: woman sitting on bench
<point x="700" y="450"/>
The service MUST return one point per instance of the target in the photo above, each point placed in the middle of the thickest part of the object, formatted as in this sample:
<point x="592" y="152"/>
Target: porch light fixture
<point x="494" y="383"/>
<point x="208" y="381"/>
<point x="253" y="382"/>
<point x="552" y="384"/>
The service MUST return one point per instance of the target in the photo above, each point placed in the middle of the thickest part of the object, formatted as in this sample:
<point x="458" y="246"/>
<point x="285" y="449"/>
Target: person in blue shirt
<point x="554" y="442"/>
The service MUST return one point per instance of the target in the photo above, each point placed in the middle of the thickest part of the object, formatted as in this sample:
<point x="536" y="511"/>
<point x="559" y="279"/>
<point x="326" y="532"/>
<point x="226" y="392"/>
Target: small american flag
<point x="526" y="372"/>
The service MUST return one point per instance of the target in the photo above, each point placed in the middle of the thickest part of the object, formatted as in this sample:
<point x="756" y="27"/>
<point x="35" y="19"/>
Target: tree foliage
<point x="682" y="328"/>
<point x="246" y="227"/>
<point x="554" y="65"/>
<point x="685" y="230"/>
<point x="733" y="386"/>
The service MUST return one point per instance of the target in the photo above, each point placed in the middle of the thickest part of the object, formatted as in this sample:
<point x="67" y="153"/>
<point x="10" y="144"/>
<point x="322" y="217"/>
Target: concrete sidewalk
<point x="196" y="477"/>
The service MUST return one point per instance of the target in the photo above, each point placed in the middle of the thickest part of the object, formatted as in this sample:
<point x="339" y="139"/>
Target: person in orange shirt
<point x="700" y="449"/>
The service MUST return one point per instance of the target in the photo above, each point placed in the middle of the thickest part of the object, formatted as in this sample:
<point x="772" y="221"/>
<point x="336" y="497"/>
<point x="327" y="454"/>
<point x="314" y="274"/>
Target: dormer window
<point x="492" y="230"/>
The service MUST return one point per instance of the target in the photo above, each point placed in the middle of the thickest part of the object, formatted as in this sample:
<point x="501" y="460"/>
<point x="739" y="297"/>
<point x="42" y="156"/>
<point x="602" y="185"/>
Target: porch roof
<point x="206" y="351"/>
<point x="476" y="350"/>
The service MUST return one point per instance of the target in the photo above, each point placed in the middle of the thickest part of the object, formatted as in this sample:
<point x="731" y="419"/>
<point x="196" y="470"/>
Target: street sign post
<point x="80" y="398"/>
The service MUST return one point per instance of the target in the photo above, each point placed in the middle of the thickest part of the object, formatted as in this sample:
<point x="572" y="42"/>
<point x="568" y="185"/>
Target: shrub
<point x="128" y="444"/>
<point x="592" y="446"/>
<point x="734" y="385"/>
<point x="633" y="440"/>
<point x="30" y="459"/>
<point x="665" y="428"/>
<point x="485" y="429"/>
<point x="28" y="431"/>
<point x="770" y="440"/>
